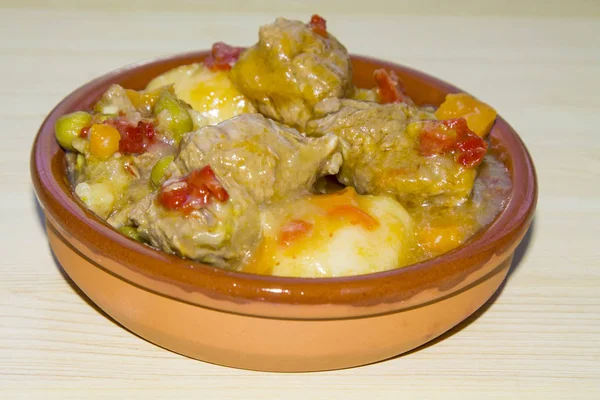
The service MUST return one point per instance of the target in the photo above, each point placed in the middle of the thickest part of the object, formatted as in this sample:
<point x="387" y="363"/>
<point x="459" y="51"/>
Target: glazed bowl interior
<point x="207" y="286"/>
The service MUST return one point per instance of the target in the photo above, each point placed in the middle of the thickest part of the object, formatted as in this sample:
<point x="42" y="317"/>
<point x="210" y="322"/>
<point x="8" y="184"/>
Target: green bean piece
<point x="172" y="116"/>
<point x="158" y="171"/>
<point x="68" y="127"/>
<point x="131" y="233"/>
<point x="80" y="162"/>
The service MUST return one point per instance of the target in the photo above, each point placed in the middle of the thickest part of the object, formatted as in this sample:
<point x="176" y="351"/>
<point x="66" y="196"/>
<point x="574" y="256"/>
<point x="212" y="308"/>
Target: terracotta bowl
<point x="274" y="323"/>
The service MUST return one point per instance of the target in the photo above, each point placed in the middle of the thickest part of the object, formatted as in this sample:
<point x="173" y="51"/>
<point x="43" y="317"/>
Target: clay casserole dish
<point x="274" y="323"/>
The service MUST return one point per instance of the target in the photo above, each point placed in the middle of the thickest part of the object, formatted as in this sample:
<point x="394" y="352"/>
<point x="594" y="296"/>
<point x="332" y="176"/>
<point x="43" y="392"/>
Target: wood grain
<point x="537" y="62"/>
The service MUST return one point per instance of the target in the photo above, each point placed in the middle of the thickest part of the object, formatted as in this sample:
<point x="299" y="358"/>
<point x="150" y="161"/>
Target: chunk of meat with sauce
<point x="401" y="150"/>
<point x="256" y="161"/>
<point x="292" y="67"/>
<point x="270" y="160"/>
<point x="218" y="232"/>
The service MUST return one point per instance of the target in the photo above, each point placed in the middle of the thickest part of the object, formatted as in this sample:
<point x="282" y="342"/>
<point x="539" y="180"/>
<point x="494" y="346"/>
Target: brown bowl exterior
<point x="274" y="323"/>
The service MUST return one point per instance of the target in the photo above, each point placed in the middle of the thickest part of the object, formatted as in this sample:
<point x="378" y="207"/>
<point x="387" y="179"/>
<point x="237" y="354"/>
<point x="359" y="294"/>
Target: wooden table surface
<point x="537" y="62"/>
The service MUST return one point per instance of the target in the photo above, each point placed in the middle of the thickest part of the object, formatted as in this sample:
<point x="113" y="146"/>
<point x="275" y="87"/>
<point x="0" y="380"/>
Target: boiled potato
<point x="332" y="235"/>
<point x="210" y="93"/>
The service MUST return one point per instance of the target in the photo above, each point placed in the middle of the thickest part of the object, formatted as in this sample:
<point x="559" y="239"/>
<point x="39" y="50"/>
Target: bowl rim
<point x="158" y="268"/>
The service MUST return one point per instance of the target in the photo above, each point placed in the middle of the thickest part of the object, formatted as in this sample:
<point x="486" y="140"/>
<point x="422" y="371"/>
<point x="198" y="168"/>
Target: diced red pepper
<point x="471" y="147"/>
<point x="433" y="140"/>
<point x="134" y="138"/>
<point x="84" y="132"/>
<point x="148" y="130"/>
<point x="390" y="87"/>
<point x="471" y="150"/>
<point x="174" y="198"/>
<point x="293" y="230"/>
<point x="207" y="178"/>
<point x="318" y="25"/>
<point x="192" y="192"/>
<point x="442" y="137"/>
<point x="222" y="56"/>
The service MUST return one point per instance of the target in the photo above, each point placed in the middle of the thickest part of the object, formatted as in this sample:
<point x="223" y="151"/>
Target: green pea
<point x="130" y="232"/>
<point x="68" y="127"/>
<point x="172" y="116"/>
<point x="158" y="171"/>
